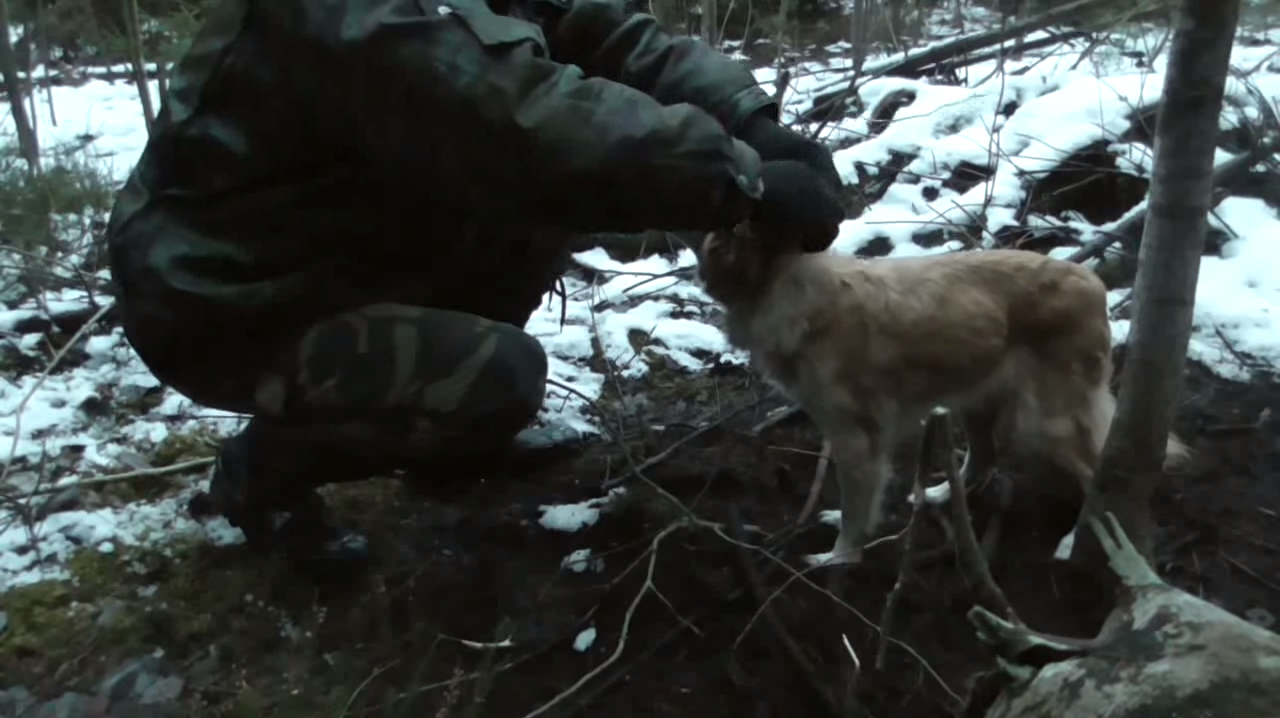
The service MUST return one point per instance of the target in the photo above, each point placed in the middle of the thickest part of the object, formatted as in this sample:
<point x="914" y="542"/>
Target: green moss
<point x="177" y="599"/>
<point x="38" y="618"/>
<point x="177" y="447"/>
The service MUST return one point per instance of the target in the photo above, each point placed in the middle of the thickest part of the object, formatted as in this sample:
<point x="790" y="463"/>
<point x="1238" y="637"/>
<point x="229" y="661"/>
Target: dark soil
<point x="482" y="569"/>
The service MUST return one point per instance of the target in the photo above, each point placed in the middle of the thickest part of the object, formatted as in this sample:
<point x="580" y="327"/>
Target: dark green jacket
<point x="308" y="150"/>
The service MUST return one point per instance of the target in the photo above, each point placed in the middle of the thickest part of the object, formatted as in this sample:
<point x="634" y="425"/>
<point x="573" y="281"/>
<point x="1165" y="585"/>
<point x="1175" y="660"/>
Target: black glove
<point x="774" y="142"/>
<point x="798" y="205"/>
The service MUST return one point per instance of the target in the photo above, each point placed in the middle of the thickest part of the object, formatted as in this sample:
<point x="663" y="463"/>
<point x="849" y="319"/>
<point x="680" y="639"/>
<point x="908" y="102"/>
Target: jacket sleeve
<point x="607" y="40"/>
<point x="469" y="103"/>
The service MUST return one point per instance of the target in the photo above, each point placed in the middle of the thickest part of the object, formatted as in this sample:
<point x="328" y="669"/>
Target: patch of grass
<point x="31" y="206"/>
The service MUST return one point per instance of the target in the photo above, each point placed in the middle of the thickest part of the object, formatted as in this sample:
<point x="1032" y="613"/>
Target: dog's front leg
<point x="862" y="469"/>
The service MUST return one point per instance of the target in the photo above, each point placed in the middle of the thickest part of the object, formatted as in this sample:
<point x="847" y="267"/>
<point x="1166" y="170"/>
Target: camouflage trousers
<point x="382" y="387"/>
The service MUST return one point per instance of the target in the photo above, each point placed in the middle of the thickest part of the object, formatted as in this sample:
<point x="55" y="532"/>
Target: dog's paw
<point x="842" y="554"/>
<point x="936" y="495"/>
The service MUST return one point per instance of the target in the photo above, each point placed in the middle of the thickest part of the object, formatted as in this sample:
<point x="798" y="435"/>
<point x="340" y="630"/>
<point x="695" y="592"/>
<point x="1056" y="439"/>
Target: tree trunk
<point x="1168" y="270"/>
<point x="28" y="145"/>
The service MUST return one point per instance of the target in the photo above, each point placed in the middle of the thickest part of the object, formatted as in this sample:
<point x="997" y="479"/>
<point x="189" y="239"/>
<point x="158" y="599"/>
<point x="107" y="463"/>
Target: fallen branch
<point x="125" y="476"/>
<point x="913" y="63"/>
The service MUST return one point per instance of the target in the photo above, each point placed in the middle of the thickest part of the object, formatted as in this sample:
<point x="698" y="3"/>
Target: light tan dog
<point x="1016" y="344"/>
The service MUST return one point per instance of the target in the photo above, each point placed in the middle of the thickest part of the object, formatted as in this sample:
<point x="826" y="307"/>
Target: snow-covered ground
<point x="1061" y="109"/>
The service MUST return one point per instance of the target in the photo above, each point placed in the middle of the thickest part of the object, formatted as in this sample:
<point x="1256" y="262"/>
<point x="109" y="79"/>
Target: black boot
<point x="278" y="519"/>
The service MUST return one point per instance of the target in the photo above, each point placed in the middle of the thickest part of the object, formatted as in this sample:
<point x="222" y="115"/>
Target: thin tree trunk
<point x="133" y="30"/>
<point x="28" y="145"/>
<point x="32" y="108"/>
<point x="46" y="58"/>
<point x="1168" y="270"/>
<point x="710" y="14"/>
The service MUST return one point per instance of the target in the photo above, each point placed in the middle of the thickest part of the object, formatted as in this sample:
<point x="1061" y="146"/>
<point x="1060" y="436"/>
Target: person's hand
<point x="799" y="205"/>
<point x="773" y="142"/>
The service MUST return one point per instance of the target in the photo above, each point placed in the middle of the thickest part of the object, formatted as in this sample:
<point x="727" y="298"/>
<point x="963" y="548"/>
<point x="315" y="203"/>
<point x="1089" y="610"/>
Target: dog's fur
<point x="1016" y="344"/>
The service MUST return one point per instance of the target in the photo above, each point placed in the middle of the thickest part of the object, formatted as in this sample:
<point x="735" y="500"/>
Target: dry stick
<point x="22" y="405"/>
<point x="815" y="489"/>
<point x="972" y="562"/>
<point x="126" y="476"/>
<point x="802" y="663"/>
<point x="626" y="628"/>
<point x="928" y="444"/>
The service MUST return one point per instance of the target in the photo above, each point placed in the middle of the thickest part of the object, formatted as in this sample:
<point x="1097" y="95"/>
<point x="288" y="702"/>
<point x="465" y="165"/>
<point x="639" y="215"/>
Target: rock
<point x="95" y="407"/>
<point x="30" y="323"/>
<point x="133" y="460"/>
<point x="1162" y="652"/>
<point x="204" y="670"/>
<point x="161" y="690"/>
<point x="74" y="705"/>
<point x="109" y="613"/>
<point x="1257" y="616"/>
<point x="134" y="394"/>
<point x="131" y="679"/>
<point x="16" y="701"/>
<point x="134" y="709"/>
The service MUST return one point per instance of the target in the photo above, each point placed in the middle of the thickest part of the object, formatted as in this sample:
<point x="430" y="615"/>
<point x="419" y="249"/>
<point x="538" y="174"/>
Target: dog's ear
<point x="726" y="244"/>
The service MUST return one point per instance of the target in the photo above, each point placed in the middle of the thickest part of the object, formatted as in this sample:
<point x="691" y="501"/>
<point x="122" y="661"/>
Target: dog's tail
<point x="1177" y="454"/>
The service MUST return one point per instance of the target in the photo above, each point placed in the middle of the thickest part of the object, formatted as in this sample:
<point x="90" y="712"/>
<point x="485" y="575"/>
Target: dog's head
<point x="737" y="264"/>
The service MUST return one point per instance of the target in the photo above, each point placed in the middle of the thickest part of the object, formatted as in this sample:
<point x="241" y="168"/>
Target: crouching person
<point x="346" y="212"/>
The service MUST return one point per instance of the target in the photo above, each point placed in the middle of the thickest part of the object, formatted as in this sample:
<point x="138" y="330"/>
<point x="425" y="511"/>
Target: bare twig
<point x="35" y="387"/>
<point x="815" y="488"/>
<point x="804" y="666"/>
<point x="928" y="445"/>
<point x="1251" y="573"/>
<point x="625" y="632"/>
<point x="972" y="562"/>
<point x="676" y="445"/>
<point x="365" y="684"/>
